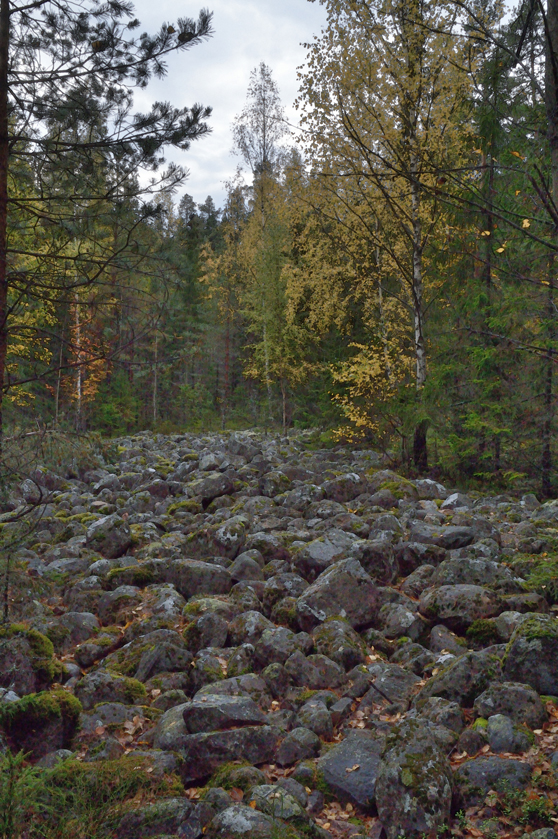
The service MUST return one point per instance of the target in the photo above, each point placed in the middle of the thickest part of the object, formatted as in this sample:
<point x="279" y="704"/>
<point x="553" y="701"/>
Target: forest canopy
<point x="385" y="274"/>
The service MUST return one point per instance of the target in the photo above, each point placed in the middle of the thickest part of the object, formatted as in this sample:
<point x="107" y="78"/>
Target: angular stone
<point x="110" y="536"/>
<point x="350" y="769"/>
<point x="344" y="589"/>
<point x="450" y="538"/>
<point x="532" y="654"/>
<point x="299" y="744"/>
<point x="458" y="606"/>
<point x="321" y="553"/>
<point x="212" y="713"/>
<point x="519" y="702"/>
<point x="191" y="577"/>
<point x="474" y="778"/>
<point x="204" y="753"/>
<point x="315" y="672"/>
<point x="414" y="783"/>
<point x="466" y="677"/>
<point x="240" y="822"/>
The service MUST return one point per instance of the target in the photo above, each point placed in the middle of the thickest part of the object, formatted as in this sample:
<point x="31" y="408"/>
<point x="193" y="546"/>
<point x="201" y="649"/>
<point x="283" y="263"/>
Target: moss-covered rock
<point x="130" y="575"/>
<point x="41" y="722"/>
<point x="27" y="663"/>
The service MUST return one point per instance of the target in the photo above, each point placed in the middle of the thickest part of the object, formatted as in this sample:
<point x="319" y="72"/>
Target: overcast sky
<point x="217" y="72"/>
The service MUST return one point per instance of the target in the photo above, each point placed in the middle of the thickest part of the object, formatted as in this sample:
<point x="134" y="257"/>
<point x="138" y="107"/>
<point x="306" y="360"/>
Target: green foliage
<point x="75" y="800"/>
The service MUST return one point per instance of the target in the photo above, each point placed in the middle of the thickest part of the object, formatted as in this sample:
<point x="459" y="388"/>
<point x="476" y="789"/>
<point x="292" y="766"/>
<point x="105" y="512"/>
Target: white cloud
<point x="217" y="72"/>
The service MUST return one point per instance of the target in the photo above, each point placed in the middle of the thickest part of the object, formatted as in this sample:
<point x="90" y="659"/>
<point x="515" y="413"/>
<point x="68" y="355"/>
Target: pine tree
<point x="67" y="71"/>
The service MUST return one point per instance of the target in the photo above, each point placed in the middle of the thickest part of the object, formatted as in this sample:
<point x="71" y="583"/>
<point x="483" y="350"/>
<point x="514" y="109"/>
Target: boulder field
<point x="305" y="642"/>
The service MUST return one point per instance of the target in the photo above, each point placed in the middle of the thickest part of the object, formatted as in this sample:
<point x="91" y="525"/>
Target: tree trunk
<point x="548" y="394"/>
<point x="551" y="103"/>
<point x="4" y="151"/>
<point x="420" y="450"/>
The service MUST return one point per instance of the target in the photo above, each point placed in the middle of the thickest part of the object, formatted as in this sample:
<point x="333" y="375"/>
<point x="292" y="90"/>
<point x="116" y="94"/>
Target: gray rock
<point x="102" y="686"/>
<point x="504" y="736"/>
<point x="280" y="586"/>
<point x="245" y="568"/>
<point x="450" y="538"/>
<point x="474" y="778"/>
<point x="320" y="554"/>
<point x="247" y="685"/>
<point x="479" y="572"/>
<point x="315" y="716"/>
<point x="344" y="488"/>
<point x="248" y="628"/>
<point x="204" y="753"/>
<point x="277" y="802"/>
<point x="212" y="486"/>
<point x="441" y="712"/>
<point x="163" y="817"/>
<point x="398" y="620"/>
<point x="110" y="536"/>
<point x="240" y="821"/>
<point x="418" y="581"/>
<point x="532" y="654"/>
<point x="391" y="682"/>
<point x="112" y="604"/>
<point x="299" y="744"/>
<point x="458" y="606"/>
<point x="350" y="769"/>
<point x="316" y="672"/>
<point x="191" y="577"/>
<point x="466" y="677"/>
<point x="519" y="702"/>
<point x="344" y="589"/>
<point x="209" y="630"/>
<point x="276" y="645"/>
<point x="414" y="783"/>
<point x="443" y="639"/>
<point x="377" y="557"/>
<point x="337" y="640"/>
<point x="212" y="713"/>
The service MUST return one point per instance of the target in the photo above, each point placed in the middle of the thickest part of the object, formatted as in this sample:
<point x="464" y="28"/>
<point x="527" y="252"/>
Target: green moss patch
<point x="37" y="709"/>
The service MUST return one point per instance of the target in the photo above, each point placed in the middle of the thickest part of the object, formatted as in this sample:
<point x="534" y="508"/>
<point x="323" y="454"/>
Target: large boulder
<point x="466" y="677"/>
<point x="532" y="654"/>
<point x="321" y="553"/>
<point x="26" y="660"/>
<point x="212" y="713"/>
<point x="204" y="753"/>
<point x="110" y="536"/>
<point x="414" y="783"/>
<point x="474" y="778"/>
<point x="190" y="577"/>
<point x="350" y="769"/>
<point x="458" y="606"/>
<point x="519" y="702"/>
<point x="344" y="589"/>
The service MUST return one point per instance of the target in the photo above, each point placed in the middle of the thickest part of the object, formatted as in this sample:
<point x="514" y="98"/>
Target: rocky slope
<point x="298" y="642"/>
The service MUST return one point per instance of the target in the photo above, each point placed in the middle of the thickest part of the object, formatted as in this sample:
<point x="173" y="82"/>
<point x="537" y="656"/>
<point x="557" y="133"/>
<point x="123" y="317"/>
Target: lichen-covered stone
<point x="518" y="701"/>
<point x="414" y="783"/>
<point x="345" y="589"/>
<point x="474" y="778"/>
<point x="532" y="654"/>
<point x="110" y="536"/>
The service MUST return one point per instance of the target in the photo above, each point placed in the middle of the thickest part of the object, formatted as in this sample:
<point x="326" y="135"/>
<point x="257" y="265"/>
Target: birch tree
<point x="382" y="107"/>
